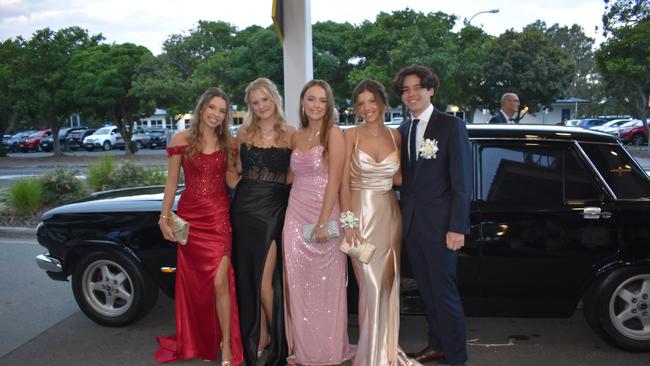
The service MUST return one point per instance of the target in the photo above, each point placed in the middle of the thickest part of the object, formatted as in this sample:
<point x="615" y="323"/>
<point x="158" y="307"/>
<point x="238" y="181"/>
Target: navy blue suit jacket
<point x="498" y="118"/>
<point x="438" y="195"/>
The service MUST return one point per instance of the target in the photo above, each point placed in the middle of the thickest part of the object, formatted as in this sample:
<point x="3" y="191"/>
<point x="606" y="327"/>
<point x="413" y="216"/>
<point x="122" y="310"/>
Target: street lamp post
<point x="493" y="11"/>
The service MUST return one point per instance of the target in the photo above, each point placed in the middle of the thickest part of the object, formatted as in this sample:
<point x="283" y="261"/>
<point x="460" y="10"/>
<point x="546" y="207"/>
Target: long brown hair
<point x="328" y="119"/>
<point x="252" y="121"/>
<point x="195" y="142"/>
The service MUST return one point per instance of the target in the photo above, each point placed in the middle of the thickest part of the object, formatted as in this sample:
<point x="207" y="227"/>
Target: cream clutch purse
<point x="180" y="227"/>
<point x="363" y="251"/>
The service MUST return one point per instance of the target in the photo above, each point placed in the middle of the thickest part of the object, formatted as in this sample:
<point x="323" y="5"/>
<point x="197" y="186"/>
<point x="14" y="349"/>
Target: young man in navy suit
<point x="435" y="200"/>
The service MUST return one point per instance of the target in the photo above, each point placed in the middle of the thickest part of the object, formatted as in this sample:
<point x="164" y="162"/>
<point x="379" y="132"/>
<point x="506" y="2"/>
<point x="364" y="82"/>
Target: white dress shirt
<point x="420" y="129"/>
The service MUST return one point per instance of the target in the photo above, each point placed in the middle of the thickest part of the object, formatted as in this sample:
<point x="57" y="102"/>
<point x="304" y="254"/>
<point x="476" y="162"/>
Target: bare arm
<point x="234" y="168"/>
<point x="335" y="162"/>
<point x="397" y="178"/>
<point x="352" y="235"/>
<point x="171" y="185"/>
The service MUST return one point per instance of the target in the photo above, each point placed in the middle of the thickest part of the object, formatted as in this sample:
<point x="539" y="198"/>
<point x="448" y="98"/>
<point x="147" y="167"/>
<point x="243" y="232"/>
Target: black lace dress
<point x="257" y="216"/>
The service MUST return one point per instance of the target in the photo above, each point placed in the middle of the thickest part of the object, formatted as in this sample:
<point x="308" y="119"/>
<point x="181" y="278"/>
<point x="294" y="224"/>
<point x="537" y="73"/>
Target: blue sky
<point x="149" y="23"/>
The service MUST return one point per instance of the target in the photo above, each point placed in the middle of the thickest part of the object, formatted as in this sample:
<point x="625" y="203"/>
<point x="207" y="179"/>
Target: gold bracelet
<point x="164" y="216"/>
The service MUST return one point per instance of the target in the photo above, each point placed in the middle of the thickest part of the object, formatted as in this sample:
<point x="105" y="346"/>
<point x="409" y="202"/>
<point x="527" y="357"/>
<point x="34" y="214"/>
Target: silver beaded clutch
<point x="308" y="231"/>
<point x="362" y="251"/>
<point x="180" y="227"/>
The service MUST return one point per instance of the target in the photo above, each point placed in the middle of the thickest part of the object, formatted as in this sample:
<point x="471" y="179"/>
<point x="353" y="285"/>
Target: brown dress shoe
<point x="427" y="355"/>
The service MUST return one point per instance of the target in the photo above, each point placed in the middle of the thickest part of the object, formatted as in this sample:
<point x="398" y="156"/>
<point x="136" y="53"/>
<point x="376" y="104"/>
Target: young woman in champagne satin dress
<point x="371" y="169"/>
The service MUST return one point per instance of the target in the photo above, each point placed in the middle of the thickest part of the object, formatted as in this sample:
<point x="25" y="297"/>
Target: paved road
<point x="41" y="325"/>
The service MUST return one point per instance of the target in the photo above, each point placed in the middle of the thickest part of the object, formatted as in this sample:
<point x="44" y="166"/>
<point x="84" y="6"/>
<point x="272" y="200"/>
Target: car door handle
<point x="595" y="213"/>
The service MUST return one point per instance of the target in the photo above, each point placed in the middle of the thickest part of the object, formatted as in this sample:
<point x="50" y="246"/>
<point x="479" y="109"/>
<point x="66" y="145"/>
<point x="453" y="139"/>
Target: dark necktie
<point x="412" y="148"/>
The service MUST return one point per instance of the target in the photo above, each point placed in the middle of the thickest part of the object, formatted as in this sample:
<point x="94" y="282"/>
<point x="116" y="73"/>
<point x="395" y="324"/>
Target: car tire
<point x="112" y="289"/>
<point x="106" y="146"/>
<point x="618" y="307"/>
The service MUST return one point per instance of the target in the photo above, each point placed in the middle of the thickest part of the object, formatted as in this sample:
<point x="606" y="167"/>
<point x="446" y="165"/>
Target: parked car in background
<point x="47" y="143"/>
<point x="140" y="138"/>
<point x="11" y="143"/>
<point x="75" y="139"/>
<point x="559" y="217"/>
<point x="32" y="142"/>
<point x="612" y="126"/>
<point x="633" y="132"/>
<point x="591" y="122"/>
<point x="572" y="122"/>
<point x="104" y="138"/>
<point x="157" y="138"/>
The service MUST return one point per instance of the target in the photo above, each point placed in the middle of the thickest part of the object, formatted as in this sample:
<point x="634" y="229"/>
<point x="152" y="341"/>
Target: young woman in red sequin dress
<point x="207" y="319"/>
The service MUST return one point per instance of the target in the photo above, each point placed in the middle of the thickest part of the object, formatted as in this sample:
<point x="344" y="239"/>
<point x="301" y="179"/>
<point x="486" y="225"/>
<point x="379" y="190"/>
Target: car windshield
<point x="36" y="134"/>
<point x="103" y="131"/>
<point x="631" y="124"/>
<point x="157" y="132"/>
<point x="622" y="175"/>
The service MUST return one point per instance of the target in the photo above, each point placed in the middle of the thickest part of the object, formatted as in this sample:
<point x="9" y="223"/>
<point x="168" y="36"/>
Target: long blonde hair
<point x="195" y="142"/>
<point x="328" y="119"/>
<point x="252" y="120"/>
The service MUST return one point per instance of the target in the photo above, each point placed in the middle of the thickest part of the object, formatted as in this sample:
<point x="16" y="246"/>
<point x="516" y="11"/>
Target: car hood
<point x="140" y="199"/>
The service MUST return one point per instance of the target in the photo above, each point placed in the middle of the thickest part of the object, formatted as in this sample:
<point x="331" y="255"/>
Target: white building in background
<point x="560" y="111"/>
<point x="157" y="120"/>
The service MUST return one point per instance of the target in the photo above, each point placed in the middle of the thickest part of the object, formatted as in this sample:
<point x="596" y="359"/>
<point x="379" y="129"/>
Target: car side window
<point x="615" y="165"/>
<point x="580" y="184"/>
<point x="520" y="174"/>
<point x="517" y="173"/>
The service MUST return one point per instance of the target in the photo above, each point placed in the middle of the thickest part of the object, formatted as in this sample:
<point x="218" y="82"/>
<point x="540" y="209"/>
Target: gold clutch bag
<point x="363" y="251"/>
<point x="180" y="227"/>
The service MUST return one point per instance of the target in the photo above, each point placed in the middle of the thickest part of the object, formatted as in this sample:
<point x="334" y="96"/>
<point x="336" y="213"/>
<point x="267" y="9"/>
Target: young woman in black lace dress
<point x="257" y="217"/>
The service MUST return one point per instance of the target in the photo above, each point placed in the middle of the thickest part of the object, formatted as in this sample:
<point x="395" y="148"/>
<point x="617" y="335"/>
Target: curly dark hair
<point x="428" y="78"/>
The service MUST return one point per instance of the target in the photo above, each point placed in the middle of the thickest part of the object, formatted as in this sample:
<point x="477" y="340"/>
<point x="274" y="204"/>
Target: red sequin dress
<point x="205" y="205"/>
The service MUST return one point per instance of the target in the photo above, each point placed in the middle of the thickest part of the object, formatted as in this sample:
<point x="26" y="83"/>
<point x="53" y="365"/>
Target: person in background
<point x="509" y="105"/>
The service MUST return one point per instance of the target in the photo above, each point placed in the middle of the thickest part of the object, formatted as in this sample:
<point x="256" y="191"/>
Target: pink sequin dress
<point x="316" y="313"/>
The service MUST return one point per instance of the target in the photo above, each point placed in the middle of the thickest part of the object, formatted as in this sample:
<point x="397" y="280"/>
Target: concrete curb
<point x="13" y="231"/>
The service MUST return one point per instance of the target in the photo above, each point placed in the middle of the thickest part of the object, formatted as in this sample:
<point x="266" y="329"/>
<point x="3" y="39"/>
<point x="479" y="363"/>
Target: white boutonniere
<point x="428" y="148"/>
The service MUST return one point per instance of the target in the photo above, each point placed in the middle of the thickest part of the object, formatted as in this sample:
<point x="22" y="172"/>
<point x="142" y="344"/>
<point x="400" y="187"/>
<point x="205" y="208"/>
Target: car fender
<point x="601" y="271"/>
<point x="78" y="249"/>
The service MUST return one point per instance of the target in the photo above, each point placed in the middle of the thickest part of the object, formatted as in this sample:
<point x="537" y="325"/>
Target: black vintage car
<point x="560" y="219"/>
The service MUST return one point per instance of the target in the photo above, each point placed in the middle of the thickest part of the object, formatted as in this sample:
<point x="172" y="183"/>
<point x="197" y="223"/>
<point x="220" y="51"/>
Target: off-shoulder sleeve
<point x="175" y="150"/>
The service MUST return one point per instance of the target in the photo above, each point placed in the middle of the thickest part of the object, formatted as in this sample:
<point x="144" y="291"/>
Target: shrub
<point x="155" y="176"/>
<point x="100" y="172"/>
<point x="60" y="186"/>
<point x="25" y="196"/>
<point x="3" y="151"/>
<point x="127" y="174"/>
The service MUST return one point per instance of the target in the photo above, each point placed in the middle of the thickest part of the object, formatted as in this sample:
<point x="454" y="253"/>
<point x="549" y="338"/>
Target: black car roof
<point x="537" y="132"/>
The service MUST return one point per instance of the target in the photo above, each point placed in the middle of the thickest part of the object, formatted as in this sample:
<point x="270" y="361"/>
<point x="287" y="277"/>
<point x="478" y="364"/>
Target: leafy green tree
<point x="529" y="64"/>
<point x="102" y="82"/>
<point x="381" y="48"/>
<point x="332" y="57"/>
<point x="12" y="58"/>
<point x="624" y="63"/>
<point x="46" y="72"/>
<point x="622" y="13"/>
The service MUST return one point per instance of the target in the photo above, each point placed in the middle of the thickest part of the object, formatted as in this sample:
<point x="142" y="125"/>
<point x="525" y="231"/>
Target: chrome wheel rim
<point x="107" y="288"/>
<point x="629" y="308"/>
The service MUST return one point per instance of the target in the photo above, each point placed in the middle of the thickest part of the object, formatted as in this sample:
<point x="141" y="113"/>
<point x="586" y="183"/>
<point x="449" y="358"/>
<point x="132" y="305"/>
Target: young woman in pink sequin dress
<point x="315" y="273"/>
<point x="207" y="320"/>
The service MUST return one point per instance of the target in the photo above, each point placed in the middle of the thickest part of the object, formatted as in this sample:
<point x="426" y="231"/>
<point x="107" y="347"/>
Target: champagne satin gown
<point x="380" y="222"/>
